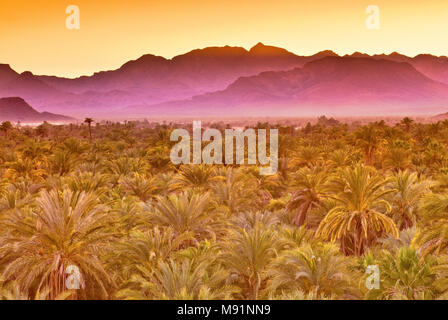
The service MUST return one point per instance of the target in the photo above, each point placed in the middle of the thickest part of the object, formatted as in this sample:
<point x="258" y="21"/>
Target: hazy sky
<point x="33" y="33"/>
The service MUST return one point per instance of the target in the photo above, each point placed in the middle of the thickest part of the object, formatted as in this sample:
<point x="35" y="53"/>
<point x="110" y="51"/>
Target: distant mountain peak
<point x="17" y="109"/>
<point x="145" y="59"/>
<point x="258" y="46"/>
<point x="396" y="54"/>
<point x="5" y="66"/>
<point x="15" y="100"/>
<point x="357" y="54"/>
<point x="225" y="51"/>
<point x="261" y="49"/>
<point x="326" y="53"/>
<point x="27" y="74"/>
<point x="430" y="57"/>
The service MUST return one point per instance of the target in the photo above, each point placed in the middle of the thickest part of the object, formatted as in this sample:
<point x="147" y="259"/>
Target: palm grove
<point x="106" y="199"/>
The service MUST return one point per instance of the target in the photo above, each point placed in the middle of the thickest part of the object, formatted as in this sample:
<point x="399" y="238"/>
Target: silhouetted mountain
<point x="16" y="109"/>
<point x="431" y="66"/>
<point x="6" y="74"/>
<point x="440" y="117"/>
<point x="154" y="80"/>
<point x="338" y="85"/>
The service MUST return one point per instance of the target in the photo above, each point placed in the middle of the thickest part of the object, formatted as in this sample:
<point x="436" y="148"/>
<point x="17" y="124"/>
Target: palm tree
<point x="368" y="139"/>
<point x="69" y="229"/>
<point x="195" y="176"/>
<point x="406" y="197"/>
<point x="267" y="186"/>
<point x="251" y="219"/>
<point x="312" y="187"/>
<point x="42" y="130"/>
<point x="178" y="280"/>
<point x="12" y="198"/>
<point x="405" y="237"/>
<point x="89" y="123"/>
<point x="236" y="192"/>
<point x="186" y="212"/>
<point x="126" y="211"/>
<point x="441" y="271"/>
<point x="78" y="182"/>
<point x="397" y="158"/>
<point x="124" y="166"/>
<point x="307" y="156"/>
<point x="247" y="254"/>
<point x="11" y="291"/>
<point x="321" y="271"/>
<point x="405" y="275"/>
<point x="146" y="249"/>
<point x="432" y="236"/>
<point x="25" y="168"/>
<point x="341" y="158"/>
<point x="290" y="237"/>
<point x="36" y="150"/>
<point x="360" y="216"/>
<point x="407" y="123"/>
<point x="5" y="127"/>
<point x="73" y="146"/>
<point x="140" y="186"/>
<point x="62" y="162"/>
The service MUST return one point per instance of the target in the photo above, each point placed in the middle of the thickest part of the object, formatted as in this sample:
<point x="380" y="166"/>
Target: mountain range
<point x="224" y="81"/>
<point x="16" y="109"/>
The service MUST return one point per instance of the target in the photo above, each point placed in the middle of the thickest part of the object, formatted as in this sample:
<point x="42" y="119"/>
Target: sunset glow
<point x="34" y="36"/>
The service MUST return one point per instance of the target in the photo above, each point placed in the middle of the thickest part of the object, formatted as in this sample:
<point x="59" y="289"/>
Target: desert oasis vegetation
<point x="105" y="200"/>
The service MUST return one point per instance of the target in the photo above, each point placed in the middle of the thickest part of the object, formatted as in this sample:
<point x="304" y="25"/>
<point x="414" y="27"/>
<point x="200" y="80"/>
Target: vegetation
<point x="107" y="200"/>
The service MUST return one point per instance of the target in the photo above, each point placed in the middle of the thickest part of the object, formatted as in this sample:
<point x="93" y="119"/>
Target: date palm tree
<point x="236" y="192"/>
<point x="178" y="280"/>
<point x="247" y="255"/>
<point x="141" y="186"/>
<point x="186" y="212"/>
<point x="195" y="176"/>
<point x="124" y="166"/>
<point x="405" y="275"/>
<point x="5" y="127"/>
<point x="360" y="216"/>
<point x="397" y="158"/>
<point x="341" y="158"/>
<point x="406" y="197"/>
<point x="69" y="229"/>
<point x="441" y="271"/>
<point x="89" y="123"/>
<point x="145" y="249"/>
<point x="368" y="139"/>
<point x="407" y="123"/>
<point x="311" y="186"/>
<point x="25" y="168"/>
<point x="321" y="271"/>
<point x="432" y="236"/>
<point x="307" y="156"/>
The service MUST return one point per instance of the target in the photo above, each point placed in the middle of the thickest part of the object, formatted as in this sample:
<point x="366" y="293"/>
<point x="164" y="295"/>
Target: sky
<point x="34" y="36"/>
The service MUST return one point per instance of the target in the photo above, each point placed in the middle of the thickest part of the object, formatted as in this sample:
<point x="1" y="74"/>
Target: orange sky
<point x="33" y="35"/>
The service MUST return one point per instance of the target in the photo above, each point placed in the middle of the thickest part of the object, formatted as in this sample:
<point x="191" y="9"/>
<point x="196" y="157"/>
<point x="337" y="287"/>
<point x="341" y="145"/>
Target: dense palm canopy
<point x="107" y="201"/>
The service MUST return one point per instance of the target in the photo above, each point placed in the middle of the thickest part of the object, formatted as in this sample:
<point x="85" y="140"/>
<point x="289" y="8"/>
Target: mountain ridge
<point x="339" y="82"/>
<point x="154" y="80"/>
